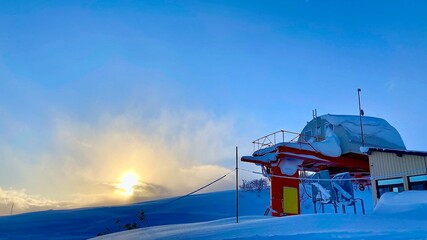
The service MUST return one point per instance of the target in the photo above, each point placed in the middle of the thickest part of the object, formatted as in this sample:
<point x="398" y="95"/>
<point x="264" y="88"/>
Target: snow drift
<point x="408" y="204"/>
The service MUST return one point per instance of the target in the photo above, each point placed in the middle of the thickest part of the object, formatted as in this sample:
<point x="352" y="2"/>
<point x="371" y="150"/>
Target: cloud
<point x="72" y="142"/>
<point x="172" y="152"/>
<point x="167" y="150"/>
<point x="19" y="201"/>
<point x="144" y="191"/>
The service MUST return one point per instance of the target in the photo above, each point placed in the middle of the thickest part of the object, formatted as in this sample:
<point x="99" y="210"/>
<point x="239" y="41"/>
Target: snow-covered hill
<point x="88" y="222"/>
<point x="211" y="216"/>
<point x="397" y="216"/>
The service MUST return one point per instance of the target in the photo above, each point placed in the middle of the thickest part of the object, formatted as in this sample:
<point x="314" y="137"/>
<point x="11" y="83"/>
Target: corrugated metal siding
<point x="388" y="165"/>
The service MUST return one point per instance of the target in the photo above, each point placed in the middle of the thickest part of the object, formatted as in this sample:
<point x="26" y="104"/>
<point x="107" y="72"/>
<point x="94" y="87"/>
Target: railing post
<point x="283" y="136"/>
<point x="274" y="139"/>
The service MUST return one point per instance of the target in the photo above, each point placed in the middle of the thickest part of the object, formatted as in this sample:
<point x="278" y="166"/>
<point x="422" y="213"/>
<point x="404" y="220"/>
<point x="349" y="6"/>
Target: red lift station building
<point x="328" y="142"/>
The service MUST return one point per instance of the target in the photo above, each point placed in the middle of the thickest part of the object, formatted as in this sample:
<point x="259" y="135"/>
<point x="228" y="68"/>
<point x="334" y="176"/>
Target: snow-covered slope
<point x="395" y="218"/>
<point x="88" y="222"/>
<point x="210" y="216"/>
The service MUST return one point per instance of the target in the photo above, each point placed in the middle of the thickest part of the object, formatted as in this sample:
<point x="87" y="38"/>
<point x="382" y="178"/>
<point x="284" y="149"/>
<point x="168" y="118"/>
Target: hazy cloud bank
<point x="18" y="201"/>
<point x="172" y="153"/>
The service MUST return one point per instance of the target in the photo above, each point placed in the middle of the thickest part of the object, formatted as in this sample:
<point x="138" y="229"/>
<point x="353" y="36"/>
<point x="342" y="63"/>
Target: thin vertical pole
<point x="11" y="209"/>
<point x="361" y="113"/>
<point x="237" y="185"/>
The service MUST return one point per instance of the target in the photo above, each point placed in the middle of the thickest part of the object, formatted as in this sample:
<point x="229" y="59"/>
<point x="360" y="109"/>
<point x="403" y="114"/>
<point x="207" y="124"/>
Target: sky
<point x="159" y="93"/>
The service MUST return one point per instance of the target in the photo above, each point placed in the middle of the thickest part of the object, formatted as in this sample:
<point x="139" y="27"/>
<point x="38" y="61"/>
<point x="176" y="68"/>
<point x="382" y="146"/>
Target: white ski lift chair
<point x="344" y="192"/>
<point x="322" y="191"/>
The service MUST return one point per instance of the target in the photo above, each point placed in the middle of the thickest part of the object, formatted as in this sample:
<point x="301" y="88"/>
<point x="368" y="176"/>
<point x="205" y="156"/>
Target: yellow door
<point x="290" y="200"/>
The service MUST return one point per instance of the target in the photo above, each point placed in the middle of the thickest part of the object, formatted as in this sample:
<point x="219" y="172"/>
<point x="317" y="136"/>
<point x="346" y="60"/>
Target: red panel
<point x="316" y="161"/>
<point x="276" y="189"/>
<point x="355" y="162"/>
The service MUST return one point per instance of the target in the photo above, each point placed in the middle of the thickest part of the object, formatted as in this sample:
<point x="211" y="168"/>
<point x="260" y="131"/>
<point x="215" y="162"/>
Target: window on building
<point x="418" y="182"/>
<point x="389" y="185"/>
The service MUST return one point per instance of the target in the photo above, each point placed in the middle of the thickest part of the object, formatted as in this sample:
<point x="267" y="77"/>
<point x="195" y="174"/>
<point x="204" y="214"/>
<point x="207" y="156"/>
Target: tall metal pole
<point x="361" y="113"/>
<point x="11" y="209"/>
<point x="237" y="185"/>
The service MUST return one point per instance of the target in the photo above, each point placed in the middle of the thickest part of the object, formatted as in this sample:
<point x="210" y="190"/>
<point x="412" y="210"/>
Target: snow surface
<point x="268" y="157"/>
<point x="330" y="146"/>
<point x="266" y="150"/>
<point x="289" y="166"/>
<point x="408" y="204"/>
<point x="323" y="194"/>
<point x="210" y="216"/>
<point x="389" y="221"/>
<point x="377" y="132"/>
<point x="88" y="222"/>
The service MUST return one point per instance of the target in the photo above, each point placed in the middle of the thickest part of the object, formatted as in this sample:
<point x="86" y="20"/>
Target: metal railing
<point x="274" y="138"/>
<point x="268" y="140"/>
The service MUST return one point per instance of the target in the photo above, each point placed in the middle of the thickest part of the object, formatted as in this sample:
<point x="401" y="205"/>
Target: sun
<point x="127" y="184"/>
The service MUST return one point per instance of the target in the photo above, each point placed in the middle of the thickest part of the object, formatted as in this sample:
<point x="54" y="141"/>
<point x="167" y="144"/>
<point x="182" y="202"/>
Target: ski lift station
<point x="337" y="151"/>
<point x="396" y="170"/>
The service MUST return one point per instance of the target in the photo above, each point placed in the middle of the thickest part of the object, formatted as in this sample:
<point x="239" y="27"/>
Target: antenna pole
<point x="361" y="113"/>
<point x="237" y="185"/>
<point x="11" y="209"/>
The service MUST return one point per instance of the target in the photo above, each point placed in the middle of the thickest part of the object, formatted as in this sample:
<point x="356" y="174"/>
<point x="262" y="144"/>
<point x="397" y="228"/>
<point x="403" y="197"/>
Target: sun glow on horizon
<point x="127" y="184"/>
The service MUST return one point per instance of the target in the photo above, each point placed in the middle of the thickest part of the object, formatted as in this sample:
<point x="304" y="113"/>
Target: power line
<point x="191" y="193"/>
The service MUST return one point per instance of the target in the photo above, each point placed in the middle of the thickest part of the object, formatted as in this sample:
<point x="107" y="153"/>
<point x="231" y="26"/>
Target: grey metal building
<point x="396" y="170"/>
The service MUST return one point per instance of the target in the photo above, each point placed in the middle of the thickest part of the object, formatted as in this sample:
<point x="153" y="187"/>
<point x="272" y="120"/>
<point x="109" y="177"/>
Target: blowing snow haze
<point x="105" y="103"/>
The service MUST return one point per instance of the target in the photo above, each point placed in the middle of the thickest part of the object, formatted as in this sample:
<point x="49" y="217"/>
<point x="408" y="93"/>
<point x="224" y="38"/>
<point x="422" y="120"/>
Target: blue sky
<point x="92" y="89"/>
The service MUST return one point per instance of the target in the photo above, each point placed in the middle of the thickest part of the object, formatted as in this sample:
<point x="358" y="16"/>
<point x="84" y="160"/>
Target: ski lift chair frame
<point x="344" y="191"/>
<point x="320" y="185"/>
